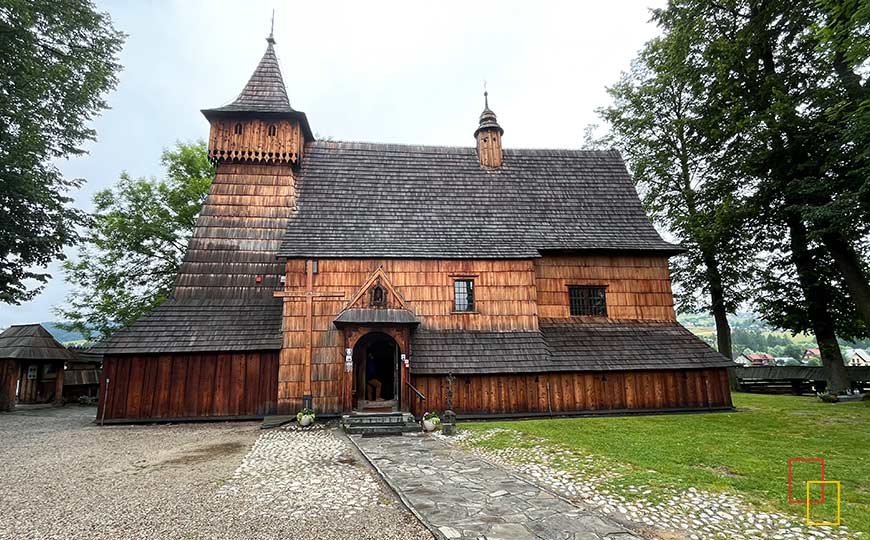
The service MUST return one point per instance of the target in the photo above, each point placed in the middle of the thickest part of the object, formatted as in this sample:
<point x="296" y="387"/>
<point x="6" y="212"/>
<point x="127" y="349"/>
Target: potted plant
<point x="305" y="417"/>
<point x="431" y="421"/>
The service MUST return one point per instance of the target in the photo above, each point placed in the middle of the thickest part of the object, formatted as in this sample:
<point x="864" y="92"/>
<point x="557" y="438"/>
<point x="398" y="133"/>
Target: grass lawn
<point x="744" y="452"/>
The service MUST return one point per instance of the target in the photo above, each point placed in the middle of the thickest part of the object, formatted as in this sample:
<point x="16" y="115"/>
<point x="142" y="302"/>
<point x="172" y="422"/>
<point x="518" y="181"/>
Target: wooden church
<point x="351" y="276"/>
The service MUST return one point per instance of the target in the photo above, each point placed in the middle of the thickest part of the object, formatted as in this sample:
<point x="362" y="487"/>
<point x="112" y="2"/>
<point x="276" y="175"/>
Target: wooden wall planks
<point x="189" y="385"/>
<point x="9" y="372"/>
<point x="255" y="144"/>
<point x="510" y="295"/>
<point x="489" y="149"/>
<point x="637" y="287"/>
<point x="575" y="392"/>
<point x="504" y="296"/>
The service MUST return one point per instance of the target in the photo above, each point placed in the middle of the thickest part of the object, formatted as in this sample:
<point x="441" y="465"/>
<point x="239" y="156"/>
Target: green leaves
<point x="58" y="58"/>
<point x="137" y="240"/>
<point x="660" y="121"/>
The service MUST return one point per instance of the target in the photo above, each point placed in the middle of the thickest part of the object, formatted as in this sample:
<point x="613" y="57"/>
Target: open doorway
<point x="376" y="377"/>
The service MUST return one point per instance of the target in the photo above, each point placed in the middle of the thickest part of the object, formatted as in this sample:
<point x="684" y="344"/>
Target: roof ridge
<point x="371" y="145"/>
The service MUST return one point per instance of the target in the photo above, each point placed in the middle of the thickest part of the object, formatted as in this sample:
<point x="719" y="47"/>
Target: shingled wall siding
<point x="637" y="287"/>
<point x="238" y="233"/>
<point x="575" y="392"/>
<point x="504" y="295"/>
<point x="505" y="298"/>
<point x="189" y="385"/>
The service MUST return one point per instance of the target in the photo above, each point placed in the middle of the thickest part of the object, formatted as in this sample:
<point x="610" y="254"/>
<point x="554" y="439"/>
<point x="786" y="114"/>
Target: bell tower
<point x="257" y="143"/>
<point x="260" y="126"/>
<point x="488" y="135"/>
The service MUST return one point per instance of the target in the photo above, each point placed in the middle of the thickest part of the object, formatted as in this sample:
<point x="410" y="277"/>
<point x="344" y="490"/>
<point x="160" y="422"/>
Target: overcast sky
<point x="400" y="72"/>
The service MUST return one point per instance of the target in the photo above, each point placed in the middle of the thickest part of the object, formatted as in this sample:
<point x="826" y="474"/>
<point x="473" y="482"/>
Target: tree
<point x="58" y="58"/>
<point x="127" y="263"/>
<point x="659" y="120"/>
<point x="769" y="83"/>
<point x="842" y="216"/>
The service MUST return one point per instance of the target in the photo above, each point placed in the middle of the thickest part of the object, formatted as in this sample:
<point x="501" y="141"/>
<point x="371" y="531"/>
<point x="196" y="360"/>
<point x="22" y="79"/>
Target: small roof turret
<point x="487" y="117"/>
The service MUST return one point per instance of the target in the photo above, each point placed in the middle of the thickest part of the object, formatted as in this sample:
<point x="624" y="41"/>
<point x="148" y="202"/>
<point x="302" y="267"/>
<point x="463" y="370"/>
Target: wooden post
<point x="8" y="378"/>
<point x="309" y="329"/>
<point x="58" y="385"/>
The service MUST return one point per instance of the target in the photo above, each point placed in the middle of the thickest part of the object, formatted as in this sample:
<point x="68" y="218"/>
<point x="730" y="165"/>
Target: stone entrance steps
<point x="379" y="423"/>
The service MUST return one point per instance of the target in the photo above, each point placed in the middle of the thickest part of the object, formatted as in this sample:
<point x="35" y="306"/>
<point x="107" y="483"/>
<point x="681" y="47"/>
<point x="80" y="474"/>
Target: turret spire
<point x="271" y="38"/>
<point x="488" y="135"/>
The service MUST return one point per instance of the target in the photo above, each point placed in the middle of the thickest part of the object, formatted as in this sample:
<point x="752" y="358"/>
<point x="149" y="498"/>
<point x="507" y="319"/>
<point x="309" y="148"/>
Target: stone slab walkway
<point x="465" y="497"/>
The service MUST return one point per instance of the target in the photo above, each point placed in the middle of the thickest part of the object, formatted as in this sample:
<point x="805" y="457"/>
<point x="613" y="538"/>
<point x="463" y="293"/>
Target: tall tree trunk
<point x="717" y="307"/>
<point x="813" y="289"/>
<point x="817" y="305"/>
<point x="720" y="314"/>
<point x="850" y="266"/>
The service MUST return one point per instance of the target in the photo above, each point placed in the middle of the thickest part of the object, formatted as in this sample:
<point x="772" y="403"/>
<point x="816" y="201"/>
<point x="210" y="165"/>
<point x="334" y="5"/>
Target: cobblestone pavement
<point x="315" y="479"/>
<point x="464" y="496"/>
<point x="62" y="477"/>
<point x="690" y="514"/>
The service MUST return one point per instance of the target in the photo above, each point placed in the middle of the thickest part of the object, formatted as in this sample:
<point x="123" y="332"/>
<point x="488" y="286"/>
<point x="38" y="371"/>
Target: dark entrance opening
<point x="376" y="364"/>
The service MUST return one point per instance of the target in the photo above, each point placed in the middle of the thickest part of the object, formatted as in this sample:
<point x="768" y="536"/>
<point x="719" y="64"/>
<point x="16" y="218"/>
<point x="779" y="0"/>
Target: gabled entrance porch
<point x="377" y="378"/>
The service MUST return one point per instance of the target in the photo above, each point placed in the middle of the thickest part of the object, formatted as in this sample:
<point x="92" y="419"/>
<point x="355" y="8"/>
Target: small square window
<point x="587" y="300"/>
<point x="463" y="295"/>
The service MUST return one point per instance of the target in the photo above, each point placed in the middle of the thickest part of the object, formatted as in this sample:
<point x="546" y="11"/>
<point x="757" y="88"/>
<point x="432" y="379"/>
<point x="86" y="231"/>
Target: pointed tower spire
<point x="262" y="109"/>
<point x="488" y="135"/>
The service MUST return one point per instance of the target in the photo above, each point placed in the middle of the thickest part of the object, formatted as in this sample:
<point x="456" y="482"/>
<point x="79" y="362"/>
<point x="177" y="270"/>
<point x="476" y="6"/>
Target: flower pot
<point x="429" y="425"/>
<point x="306" y="421"/>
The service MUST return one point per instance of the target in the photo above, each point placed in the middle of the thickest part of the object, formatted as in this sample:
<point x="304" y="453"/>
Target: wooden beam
<point x="58" y="386"/>
<point x="309" y="325"/>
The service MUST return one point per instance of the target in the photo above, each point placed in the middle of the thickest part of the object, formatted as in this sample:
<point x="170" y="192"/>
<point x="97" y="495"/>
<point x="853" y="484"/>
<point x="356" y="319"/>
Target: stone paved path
<point x="463" y="496"/>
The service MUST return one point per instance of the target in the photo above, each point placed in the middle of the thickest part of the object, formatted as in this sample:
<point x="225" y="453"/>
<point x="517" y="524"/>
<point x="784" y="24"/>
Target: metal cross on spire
<point x="271" y="38"/>
<point x="485" y="96"/>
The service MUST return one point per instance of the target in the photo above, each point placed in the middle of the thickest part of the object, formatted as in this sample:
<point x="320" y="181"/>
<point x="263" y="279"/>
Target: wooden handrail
<point x="419" y="395"/>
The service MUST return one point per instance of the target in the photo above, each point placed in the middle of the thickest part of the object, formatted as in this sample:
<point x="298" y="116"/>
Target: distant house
<point x="755" y="359"/>
<point x="857" y="358"/>
<point x="811" y="354"/>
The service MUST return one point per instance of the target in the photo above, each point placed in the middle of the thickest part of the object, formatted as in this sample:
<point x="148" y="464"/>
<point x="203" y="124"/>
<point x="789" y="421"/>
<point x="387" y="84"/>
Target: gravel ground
<point x="62" y="477"/>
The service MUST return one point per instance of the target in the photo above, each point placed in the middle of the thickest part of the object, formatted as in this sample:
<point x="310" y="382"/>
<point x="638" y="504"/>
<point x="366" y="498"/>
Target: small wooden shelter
<point x="31" y="366"/>
<point x="81" y="377"/>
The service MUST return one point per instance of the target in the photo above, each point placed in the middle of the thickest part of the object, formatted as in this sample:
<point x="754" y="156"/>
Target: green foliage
<point x="138" y="237"/>
<point x="743" y="452"/>
<point x="775" y="99"/>
<point x="659" y="121"/>
<point x="58" y="58"/>
<point x="305" y="412"/>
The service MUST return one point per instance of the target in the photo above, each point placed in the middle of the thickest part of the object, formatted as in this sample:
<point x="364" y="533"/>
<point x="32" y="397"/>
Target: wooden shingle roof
<point x="265" y="95"/>
<point x="376" y="316"/>
<point x="622" y="344"/>
<point x="564" y="345"/>
<point x="32" y="342"/>
<point x="378" y="200"/>
<point x="200" y="325"/>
